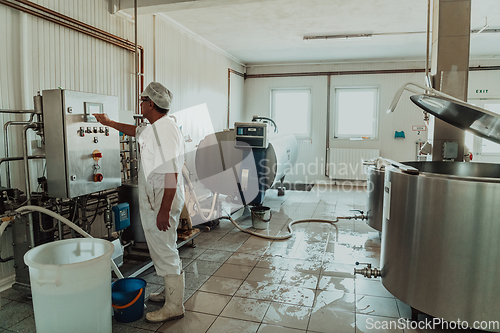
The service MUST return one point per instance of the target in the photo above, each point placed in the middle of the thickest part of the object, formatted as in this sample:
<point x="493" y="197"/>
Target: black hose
<point x="6" y="259"/>
<point x="269" y="119"/>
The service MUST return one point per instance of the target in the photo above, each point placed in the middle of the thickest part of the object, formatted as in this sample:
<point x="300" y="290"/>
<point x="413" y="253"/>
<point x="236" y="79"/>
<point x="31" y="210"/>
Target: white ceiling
<point x="272" y="31"/>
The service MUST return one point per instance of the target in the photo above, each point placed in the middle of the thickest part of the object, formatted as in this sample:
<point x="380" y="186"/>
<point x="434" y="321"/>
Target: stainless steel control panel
<point x="83" y="156"/>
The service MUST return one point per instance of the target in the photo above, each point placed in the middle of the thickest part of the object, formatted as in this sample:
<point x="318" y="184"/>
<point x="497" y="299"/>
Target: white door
<point x="484" y="150"/>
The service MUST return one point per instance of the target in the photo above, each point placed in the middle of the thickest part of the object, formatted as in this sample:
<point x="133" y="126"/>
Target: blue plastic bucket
<point x="128" y="299"/>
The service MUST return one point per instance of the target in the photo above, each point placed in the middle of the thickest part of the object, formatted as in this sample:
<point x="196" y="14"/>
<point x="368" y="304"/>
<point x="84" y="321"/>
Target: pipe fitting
<point x="367" y="271"/>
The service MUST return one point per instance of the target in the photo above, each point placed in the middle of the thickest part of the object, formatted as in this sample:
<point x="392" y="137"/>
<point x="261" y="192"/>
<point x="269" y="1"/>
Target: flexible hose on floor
<point x="289" y="226"/>
<point x="69" y="224"/>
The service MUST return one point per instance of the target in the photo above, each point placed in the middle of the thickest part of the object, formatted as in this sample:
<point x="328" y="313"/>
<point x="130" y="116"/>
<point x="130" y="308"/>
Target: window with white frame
<point x="356" y="111"/>
<point x="291" y="110"/>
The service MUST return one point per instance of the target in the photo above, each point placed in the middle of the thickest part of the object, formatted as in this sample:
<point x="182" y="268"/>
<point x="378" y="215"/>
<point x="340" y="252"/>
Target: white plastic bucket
<point x="71" y="285"/>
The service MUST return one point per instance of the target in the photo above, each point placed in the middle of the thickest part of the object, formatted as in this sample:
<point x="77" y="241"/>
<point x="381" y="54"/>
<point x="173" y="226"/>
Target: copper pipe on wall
<point x="79" y="27"/>
<point x="237" y="73"/>
<point x="66" y="25"/>
<point x="486" y="68"/>
<point x="136" y="62"/>
<point x="228" y="95"/>
<point x="336" y="73"/>
<point x="365" y="72"/>
<point x="72" y="20"/>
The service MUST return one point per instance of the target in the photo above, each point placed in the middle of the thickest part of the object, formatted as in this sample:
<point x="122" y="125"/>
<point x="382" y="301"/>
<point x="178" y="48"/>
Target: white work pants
<point x="162" y="244"/>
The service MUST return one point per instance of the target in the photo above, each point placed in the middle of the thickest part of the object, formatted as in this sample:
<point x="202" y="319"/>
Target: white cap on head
<point x="160" y="95"/>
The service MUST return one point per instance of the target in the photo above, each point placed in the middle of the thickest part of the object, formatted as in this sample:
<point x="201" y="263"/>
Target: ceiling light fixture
<point x="341" y="37"/>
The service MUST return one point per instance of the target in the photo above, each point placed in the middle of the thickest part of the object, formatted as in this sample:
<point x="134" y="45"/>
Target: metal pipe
<point x="428" y="38"/>
<point x="107" y="216"/>
<point x="136" y="97"/>
<point x="59" y="224"/>
<point x="141" y="51"/>
<point x="336" y="73"/>
<point x="328" y="86"/>
<point x="76" y="26"/>
<point x="17" y="158"/>
<point x="67" y="25"/>
<point x="68" y="223"/>
<point x="6" y="140"/>
<point x="243" y="75"/>
<point x="72" y="20"/>
<point x="228" y="95"/>
<point x="133" y="158"/>
<point x="16" y="111"/>
<point x="26" y="164"/>
<point x="485" y="26"/>
<point x="365" y="72"/>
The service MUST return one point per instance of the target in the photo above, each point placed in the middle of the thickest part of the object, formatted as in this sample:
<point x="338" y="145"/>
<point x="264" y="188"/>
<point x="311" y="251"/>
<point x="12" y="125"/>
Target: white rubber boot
<point x="157" y="297"/>
<point x="174" y="295"/>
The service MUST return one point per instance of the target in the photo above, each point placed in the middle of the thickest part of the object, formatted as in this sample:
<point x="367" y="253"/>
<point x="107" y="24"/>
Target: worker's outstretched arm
<point x="124" y="128"/>
<point x="163" y="218"/>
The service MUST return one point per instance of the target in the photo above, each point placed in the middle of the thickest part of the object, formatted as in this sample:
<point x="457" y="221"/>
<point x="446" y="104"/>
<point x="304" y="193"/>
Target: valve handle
<point x="363" y="263"/>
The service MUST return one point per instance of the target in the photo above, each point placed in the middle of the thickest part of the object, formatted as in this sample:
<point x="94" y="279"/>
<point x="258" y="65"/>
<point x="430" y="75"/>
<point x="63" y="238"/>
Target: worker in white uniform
<point x="161" y="194"/>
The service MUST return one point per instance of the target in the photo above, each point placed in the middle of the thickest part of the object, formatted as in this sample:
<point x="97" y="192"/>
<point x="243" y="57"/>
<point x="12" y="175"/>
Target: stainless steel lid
<point x="481" y="122"/>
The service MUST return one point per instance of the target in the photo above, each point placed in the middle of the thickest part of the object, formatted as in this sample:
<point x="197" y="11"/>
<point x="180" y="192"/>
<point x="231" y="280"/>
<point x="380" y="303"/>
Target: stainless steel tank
<point x="441" y="239"/>
<point x="217" y="154"/>
<point x="375" y="200"/>
<point x="129" y="192"/>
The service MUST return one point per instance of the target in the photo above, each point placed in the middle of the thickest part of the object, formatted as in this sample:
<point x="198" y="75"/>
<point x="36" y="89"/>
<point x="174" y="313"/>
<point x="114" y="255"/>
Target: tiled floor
<point x="239" y="283"/>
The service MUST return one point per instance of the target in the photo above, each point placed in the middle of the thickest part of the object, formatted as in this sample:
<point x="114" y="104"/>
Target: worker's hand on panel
<point x="162" y="221"/>
<point x="102" y="118"/>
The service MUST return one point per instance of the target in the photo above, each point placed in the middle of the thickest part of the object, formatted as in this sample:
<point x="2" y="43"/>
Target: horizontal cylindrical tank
<point x="218" y="160"/>
<point x="440" y="244"/>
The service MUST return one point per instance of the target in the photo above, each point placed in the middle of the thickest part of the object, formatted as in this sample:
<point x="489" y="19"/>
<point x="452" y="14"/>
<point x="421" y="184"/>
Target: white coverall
<point x="162" y="244"/>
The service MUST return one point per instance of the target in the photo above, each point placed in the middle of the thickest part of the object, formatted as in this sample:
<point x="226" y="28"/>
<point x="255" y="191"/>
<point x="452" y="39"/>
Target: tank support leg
<point x="414" y="314"/>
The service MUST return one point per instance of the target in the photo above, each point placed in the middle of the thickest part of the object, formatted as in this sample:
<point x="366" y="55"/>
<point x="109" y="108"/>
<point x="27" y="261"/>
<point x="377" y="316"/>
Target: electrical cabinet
<point x="83" y="156"/>
<point x="251" y="135"/>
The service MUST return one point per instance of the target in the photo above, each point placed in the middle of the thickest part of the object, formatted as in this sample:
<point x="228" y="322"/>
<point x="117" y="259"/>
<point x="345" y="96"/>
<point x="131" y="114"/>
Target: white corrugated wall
<point x="37" y="55"/>
<point x="195" y="71"/>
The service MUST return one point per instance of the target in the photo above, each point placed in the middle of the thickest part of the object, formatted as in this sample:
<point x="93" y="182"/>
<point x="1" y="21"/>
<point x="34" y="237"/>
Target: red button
<point x="98" y="177"/>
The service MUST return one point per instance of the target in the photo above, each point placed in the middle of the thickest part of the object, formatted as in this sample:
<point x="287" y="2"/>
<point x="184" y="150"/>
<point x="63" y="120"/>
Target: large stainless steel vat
<point x="375" y="189"/>
<point x="441" y="239"/>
